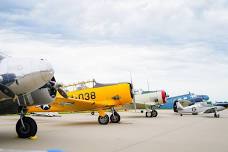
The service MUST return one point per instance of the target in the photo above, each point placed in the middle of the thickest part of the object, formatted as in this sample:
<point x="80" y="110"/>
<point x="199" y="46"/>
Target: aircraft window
<point x="79" y="86"/>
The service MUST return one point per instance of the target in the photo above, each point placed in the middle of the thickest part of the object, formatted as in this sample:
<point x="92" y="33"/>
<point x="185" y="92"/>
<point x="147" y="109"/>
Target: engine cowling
<point x="43" y="96"/>
<point x="151" y="97"/>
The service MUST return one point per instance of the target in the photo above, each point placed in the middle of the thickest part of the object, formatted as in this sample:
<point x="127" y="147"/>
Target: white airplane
<point x="150" y="99"/>
<point x="199" y="108"/>
<point x="25" y="82"/>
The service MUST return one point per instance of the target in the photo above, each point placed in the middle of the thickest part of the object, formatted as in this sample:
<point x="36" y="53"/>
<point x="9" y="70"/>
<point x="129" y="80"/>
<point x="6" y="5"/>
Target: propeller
<point x="62" y="92"/>
<point x="7" y="91"/>
<point x="134" y="103"/>
<point x="58" y="87"/>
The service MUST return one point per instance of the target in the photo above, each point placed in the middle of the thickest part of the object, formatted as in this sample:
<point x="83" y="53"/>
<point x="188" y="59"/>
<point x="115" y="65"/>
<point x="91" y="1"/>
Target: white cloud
<point x="177" y="69"/>
<point x="129" y="21"/>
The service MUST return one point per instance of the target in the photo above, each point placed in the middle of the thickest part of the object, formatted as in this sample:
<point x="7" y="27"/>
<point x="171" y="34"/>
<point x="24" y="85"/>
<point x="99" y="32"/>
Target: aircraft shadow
<point x="7" y="137"/>
<point x="84" y="123"/>
<point x="89" y="123"/>
<point x="221" y="117"/>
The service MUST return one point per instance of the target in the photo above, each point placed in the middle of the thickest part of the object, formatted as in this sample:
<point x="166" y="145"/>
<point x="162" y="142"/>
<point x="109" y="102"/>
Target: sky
<point x="176" y="45"/>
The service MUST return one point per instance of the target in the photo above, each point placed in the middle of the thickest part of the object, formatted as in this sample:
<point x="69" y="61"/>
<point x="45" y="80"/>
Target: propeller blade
<point x="134" y="103"/>
<point x="7" y="91"/>
<point x="58" y="88"/>
<point x="62" y="92"/>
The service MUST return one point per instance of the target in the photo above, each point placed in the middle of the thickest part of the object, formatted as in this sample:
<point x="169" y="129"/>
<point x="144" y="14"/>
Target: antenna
<point x="148" y="85"/>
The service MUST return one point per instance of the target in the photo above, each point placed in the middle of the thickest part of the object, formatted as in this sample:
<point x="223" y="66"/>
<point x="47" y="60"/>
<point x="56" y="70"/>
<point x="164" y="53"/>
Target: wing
<point x="210" y="110"/>
<point x="74" y="105"/>
<point x="86" y="102"/>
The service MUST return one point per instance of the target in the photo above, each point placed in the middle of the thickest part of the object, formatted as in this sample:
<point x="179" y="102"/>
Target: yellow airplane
<point x="91" y="96"/>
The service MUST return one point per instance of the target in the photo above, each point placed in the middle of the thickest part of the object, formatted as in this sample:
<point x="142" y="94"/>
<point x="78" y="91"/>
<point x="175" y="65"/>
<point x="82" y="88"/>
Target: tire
<point x="103" y="120"/>
<point x="115" y="119"/>
<point x="30" y="128"/>
<point x="92" y="113"/>
<point x="216" y="115"/>
<point x="154" y="113"/>
<point x="148" y="114"/>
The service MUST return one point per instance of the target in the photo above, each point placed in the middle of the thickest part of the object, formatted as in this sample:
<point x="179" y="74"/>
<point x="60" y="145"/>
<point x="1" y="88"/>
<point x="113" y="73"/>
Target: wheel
<point x="115" y="118"/>
<point x="29" y="130"/>
<point x="154" y="113"/>
<point x="181" y="114"/>
<point x="103" y="120"/>
<point x="216" y="115"/>
<point x="148" y="114"/>
<point x="92" y="113"/>
<point x="142" y="111"/>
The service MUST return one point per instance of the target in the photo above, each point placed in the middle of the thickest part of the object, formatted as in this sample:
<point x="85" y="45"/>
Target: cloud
<point x="176" y="69"/>
<point x="142" y="22"/>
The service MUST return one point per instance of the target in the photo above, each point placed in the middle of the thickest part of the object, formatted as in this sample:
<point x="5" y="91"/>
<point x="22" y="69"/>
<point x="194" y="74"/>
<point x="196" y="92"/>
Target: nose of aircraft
<point x="163" y="93"/>
<point x="46" y="70"/>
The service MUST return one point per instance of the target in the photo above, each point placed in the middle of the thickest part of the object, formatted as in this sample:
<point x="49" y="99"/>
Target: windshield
<point x="79" y="86"/>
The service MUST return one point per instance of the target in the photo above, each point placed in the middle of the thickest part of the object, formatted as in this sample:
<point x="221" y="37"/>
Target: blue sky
<point x="178" y="45"/>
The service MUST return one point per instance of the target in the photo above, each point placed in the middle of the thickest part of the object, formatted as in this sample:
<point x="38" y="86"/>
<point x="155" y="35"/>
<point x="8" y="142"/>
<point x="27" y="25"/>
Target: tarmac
<point x="81" y="132"/>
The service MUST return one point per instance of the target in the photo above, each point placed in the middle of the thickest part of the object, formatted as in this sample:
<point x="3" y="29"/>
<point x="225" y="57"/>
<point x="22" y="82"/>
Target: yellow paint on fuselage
<point x="91" y="99"/>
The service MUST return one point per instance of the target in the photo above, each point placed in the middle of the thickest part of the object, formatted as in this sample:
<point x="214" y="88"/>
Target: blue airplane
<point x="224" y="104"/>
<point x="193" y="98"/>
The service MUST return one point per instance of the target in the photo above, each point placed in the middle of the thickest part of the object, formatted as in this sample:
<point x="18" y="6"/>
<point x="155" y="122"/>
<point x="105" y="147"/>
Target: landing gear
<point x="148" y="114"/>
<point x="103" y="120"/>
<point x="115" y="117"/>
<point x="216" y="115"/>
<point x="175" y="106"/>
<point x="26" y="127"/>
<point x="152" y="113"/>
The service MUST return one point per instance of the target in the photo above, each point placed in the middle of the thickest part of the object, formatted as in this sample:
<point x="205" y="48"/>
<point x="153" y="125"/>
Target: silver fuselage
<point x="24" y="75"/>
<point x="200" y="107"/>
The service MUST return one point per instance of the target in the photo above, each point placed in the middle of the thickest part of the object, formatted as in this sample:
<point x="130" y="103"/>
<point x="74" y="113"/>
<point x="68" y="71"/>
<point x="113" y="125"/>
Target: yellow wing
<point x="74" y="105"/>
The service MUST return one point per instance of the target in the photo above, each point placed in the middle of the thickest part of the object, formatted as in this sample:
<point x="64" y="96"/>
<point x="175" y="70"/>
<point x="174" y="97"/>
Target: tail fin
<point x="179" y="106"/>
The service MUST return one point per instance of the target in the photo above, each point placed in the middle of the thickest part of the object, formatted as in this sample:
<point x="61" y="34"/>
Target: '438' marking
<point x="87" y="96"/>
